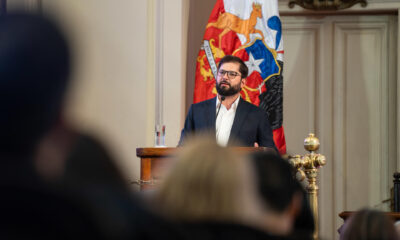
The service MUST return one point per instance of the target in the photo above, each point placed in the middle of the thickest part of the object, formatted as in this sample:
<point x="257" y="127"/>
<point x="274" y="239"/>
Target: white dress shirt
<point x="224" y="122"/>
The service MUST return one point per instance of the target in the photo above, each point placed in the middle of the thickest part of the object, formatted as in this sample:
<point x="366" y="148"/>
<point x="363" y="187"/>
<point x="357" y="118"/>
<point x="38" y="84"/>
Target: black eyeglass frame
<point x="231" y="74"/>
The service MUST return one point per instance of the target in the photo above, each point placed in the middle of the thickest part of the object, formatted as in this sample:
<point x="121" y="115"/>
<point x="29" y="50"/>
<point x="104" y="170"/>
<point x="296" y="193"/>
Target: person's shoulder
<point x="208" y="101"/>
<point x="255" y="111"/>
<point x="251" y="106"/>
<point x="205" y="102"/>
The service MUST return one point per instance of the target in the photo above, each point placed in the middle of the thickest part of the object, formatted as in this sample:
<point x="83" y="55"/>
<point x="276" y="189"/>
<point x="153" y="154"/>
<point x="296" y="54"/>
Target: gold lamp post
<point x="307" y="166"/>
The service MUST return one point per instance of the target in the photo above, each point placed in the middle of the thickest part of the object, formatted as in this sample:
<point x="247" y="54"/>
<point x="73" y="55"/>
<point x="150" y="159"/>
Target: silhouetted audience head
<point x="275" y="180"/>
<point x="368" y="224"/>
<point x="397" y="228"/>
<point x="34" y="69"/>
<point x="208" y="182"/>
<point x="304" y="224"/>
<point x="281" y="194"/>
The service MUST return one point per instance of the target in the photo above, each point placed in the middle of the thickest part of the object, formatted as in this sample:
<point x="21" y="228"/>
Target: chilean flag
<point x="251" y="30"/>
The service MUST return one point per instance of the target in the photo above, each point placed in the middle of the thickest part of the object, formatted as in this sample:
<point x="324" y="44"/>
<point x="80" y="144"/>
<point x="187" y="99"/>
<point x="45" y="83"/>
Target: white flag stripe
<point x="243" y="9"/>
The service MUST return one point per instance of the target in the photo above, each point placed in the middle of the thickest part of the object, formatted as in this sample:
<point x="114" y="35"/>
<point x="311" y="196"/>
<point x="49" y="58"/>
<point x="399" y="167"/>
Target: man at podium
<point x="234" y="121"/>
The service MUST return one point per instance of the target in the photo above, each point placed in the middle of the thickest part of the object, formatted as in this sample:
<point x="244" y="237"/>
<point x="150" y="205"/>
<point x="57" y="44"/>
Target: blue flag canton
<point x="259" y="51"/>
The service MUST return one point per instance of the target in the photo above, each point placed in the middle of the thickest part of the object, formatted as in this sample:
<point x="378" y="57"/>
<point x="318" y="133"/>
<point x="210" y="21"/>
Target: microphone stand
<point x="222" y="99"/>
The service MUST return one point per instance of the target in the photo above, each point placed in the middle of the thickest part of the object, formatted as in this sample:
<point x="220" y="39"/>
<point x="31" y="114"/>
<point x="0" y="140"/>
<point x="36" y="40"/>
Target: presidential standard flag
<point x="251" y="30"/>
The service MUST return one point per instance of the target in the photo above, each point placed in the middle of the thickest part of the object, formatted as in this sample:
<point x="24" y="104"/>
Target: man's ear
<point x="243" y="82"/>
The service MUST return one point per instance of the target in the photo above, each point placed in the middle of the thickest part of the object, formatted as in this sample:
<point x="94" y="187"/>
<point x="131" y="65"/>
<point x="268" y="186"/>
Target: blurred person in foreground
<point x="211" y="191"/>
<point x="397" y="227"/>
<point x="369" y="224"/>
<point x="82" y="195"/>
<point x="34" y="71"/>
<point x="283" y="195"/>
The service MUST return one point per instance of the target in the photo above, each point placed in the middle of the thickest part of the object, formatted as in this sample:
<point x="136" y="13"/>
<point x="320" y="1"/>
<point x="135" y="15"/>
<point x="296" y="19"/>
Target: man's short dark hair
<point x="242" y="66"/>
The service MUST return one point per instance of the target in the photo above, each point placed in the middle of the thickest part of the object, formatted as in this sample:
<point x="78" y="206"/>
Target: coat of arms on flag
<point x="251" y="30"/>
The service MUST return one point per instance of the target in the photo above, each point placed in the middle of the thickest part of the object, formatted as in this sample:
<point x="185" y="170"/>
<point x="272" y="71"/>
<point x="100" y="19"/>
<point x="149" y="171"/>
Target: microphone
<point x="222" y="99"/>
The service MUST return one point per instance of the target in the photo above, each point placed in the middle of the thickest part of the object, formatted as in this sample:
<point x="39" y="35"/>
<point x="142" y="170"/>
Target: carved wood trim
<point x="318" y="5"/>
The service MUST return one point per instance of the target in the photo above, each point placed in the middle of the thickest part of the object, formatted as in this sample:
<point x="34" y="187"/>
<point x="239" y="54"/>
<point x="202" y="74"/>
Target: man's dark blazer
<point x="249" y="126"/>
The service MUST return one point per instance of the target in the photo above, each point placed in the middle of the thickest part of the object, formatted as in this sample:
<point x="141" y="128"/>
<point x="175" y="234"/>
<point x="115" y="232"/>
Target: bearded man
<point x="234" y="121"/>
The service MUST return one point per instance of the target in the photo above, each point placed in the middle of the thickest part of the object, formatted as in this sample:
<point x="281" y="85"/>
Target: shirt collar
<point x="234" y="104"/>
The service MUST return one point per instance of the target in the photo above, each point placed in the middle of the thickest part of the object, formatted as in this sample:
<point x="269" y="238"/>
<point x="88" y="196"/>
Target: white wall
<point x="109" y="94"/>
<point x="113" y="93"/>
<point x="174" y="61"/>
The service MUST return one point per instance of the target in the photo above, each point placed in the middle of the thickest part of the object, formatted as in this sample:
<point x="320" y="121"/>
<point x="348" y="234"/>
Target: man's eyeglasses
<point x="231" y="74"/>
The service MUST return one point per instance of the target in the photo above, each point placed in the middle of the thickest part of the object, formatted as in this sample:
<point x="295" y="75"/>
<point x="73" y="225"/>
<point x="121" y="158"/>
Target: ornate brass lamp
<point x="307" y="166"/>
<point x="326" y="4"/>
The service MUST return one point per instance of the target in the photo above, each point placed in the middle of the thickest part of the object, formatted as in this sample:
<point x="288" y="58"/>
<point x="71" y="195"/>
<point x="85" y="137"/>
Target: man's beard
<point x="228" y="91"/>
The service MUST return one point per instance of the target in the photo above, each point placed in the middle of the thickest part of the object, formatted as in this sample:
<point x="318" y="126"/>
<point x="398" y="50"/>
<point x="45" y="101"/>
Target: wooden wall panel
<point x="336" y="84"/>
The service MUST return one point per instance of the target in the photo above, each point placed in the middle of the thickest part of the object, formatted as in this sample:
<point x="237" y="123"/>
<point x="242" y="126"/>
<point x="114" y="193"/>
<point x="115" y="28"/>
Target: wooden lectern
<point x="153" y="160"/>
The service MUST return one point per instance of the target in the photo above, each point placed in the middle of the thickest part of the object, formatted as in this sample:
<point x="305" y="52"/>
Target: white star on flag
<point x="253" y="64"/>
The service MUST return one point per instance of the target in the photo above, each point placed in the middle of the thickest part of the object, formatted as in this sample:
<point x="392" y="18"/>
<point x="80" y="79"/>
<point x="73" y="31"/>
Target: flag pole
<point x="159" y="66"/>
